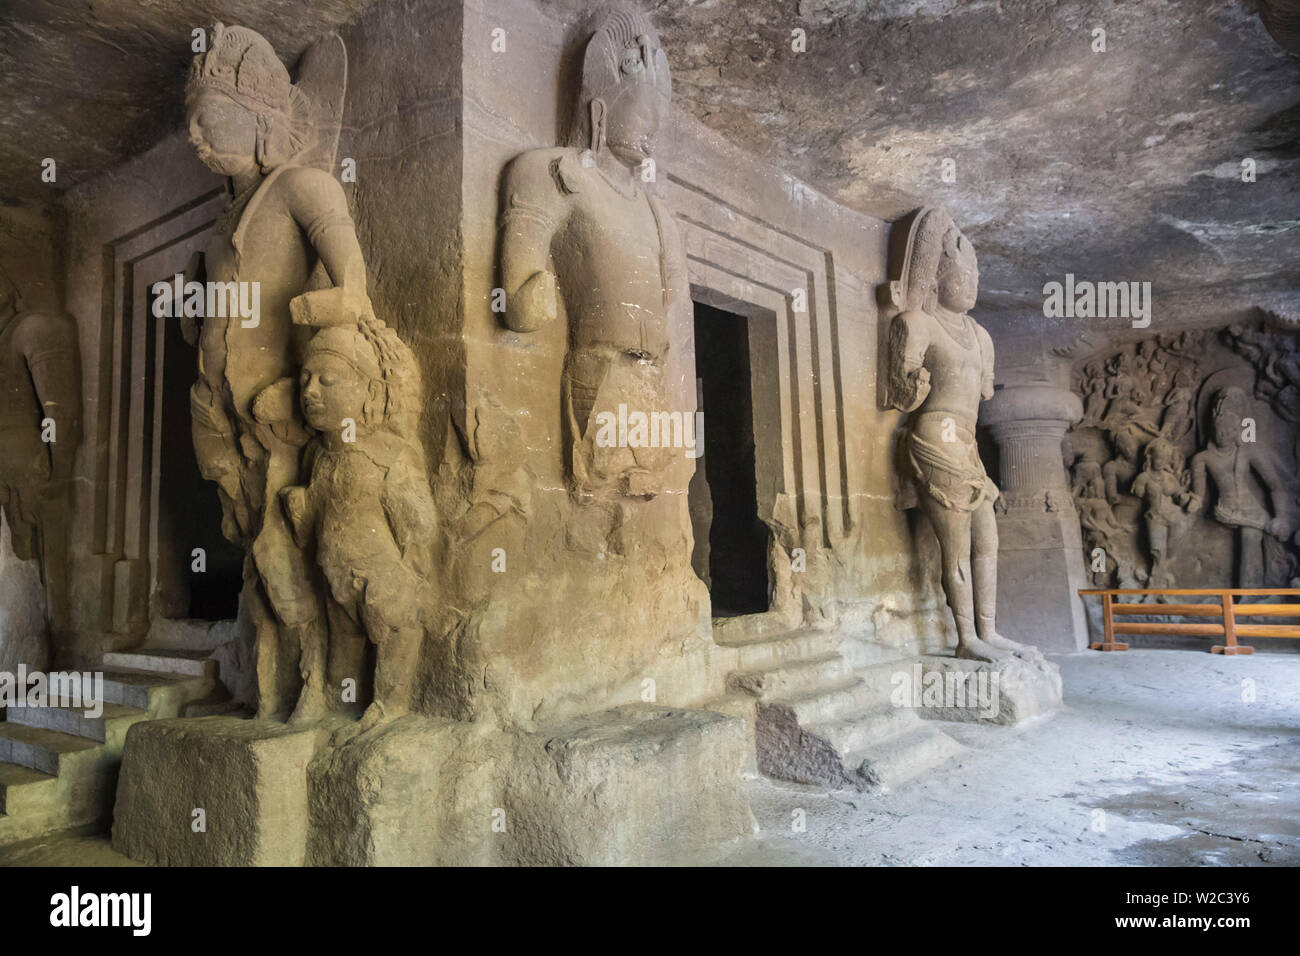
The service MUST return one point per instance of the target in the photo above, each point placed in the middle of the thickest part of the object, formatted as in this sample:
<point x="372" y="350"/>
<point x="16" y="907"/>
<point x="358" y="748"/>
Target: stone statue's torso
<point x="956" y="364"/>
<point x="264" y="245"/>
<point x="25" y="456"/>
<point x="610" y="270"/>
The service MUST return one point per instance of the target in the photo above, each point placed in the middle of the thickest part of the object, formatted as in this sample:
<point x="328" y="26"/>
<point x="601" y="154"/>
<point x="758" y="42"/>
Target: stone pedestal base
<point x="247" y="777"/>
<point x="1009" y="692"/>
<point x="635" y="785"/>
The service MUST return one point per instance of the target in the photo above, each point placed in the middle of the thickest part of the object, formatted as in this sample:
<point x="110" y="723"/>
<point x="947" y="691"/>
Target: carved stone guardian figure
<point x="287" y="216"/>
<point x="940" y="367"/>
<point x="581" y="237"/>
<point x="40" y="429"/>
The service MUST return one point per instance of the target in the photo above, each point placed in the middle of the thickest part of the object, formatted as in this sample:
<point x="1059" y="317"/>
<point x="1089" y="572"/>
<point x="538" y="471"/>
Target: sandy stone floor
<point x="1161" y="742"/>
<point x="1183" y="770"/>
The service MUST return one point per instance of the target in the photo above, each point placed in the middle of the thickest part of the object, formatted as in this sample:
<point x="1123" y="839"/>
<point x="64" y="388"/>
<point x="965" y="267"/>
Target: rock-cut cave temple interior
<point x="553" y="432"/>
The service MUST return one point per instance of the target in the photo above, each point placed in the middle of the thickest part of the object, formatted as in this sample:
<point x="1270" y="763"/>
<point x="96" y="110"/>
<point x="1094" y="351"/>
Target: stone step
<point x="24" y="790"/>
<point x="763" y="653"/>
<point x="160" y="695"/>
<point x="164" y="660"/>
<point x="900" y="758"/>
<point x="39" y="748"/>
<point x="793" y="678"/>
<point x="855" y="734"/>
<point x="841" y="701"/>
<point x="111" y="725"/>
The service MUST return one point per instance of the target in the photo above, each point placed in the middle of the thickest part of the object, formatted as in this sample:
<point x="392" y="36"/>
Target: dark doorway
<point x="737" y="538"/>
<point x="189" y="512"/>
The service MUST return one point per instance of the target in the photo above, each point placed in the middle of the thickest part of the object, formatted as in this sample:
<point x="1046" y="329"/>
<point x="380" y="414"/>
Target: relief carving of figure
<point x="287" y="219"/>
<point x="40" y="429"/>
<point x="940" y="367"/>
<point x="367" y="512"/>
<point x="1162" y="488"/>
<point x="581" y="237"/>
<point x="1229" y="462"/>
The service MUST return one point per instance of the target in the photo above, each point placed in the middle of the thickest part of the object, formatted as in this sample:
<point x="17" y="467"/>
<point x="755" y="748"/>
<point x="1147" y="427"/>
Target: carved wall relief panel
<point x="1183" y="467"/>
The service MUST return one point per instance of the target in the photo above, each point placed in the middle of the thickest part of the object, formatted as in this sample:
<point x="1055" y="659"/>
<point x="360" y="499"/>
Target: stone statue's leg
<point x="347" y="659"/>
<point x="394" y="671"/>
<point x="1250" y="565"/>
<point x="984" y="539"/>
<point x="271" y="703"/>
<point x="216" y="449"/>
<point x="953" y="529"/>
<point x="312" y="641"/>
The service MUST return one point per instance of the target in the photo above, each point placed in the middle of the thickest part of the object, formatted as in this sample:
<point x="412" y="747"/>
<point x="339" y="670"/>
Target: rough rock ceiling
<point x="1122" y="165"/>
<point x="92" y="82"/>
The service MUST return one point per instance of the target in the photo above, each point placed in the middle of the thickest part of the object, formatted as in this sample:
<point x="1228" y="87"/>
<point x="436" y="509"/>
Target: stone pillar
<point x="1040" y="549"/>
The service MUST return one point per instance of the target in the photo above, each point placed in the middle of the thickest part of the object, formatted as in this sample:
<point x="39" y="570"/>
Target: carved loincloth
<point x="949" y="472"/>
<point x="1251" y="516"/>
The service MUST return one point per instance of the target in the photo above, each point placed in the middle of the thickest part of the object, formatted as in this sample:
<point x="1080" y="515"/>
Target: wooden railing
<point x="1225" y="608"/>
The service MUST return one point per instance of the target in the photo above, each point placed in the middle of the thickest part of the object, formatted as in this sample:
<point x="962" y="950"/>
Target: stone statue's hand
<point x="1193" y="502"/>
<point x="293" y="502"/>
<point x="190" y="330"/>
<point x="1278" y="527"/>
<point x="277" y="402"/>
<point x="534" y="304"/>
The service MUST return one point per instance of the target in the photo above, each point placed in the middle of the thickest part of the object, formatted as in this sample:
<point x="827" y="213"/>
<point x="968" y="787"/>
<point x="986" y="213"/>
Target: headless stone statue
<point x="1229" y="462"/>
<point x="940" y="366"/>
<point x="580" y="229"/>
<point x="40" y="429"/>
<point x="287" y="217"/>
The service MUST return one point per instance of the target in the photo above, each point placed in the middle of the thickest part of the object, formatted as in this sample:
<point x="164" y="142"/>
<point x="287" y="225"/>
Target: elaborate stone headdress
<point x="605" y="67"/>
<point x="916" y="246"/>
<point x="242" y="65"/>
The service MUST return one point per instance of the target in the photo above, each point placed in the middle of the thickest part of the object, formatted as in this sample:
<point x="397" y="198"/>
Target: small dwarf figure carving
<point x="367" y="507"/>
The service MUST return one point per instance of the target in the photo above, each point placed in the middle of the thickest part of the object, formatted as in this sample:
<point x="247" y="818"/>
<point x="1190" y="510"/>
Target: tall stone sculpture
<point x="1229" y="462"/>
<point x="582" y="238"/>
<point x="367" y="512"/>
<point x="40" y="430"/>
<point x="940" y="366"/>
<point x="287" y="217"/>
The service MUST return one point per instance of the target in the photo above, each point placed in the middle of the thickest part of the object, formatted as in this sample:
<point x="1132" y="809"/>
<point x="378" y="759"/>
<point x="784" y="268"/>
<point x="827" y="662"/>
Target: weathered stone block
<point x="248" y="777"/>
<point x="633" y="785"/>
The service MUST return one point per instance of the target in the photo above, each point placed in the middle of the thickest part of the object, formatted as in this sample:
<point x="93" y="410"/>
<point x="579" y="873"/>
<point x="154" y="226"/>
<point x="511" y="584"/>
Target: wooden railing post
<point x="1108" y="642"/>
<point x="1230" y="645"/>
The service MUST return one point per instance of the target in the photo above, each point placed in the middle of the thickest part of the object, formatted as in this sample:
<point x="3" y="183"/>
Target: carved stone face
<point x="332" y="390"/>
<point x="959" y="276"/>
<point x="223" y="133"/>
<point x="1227" y="427"/>
<point x="634" y="113"/>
